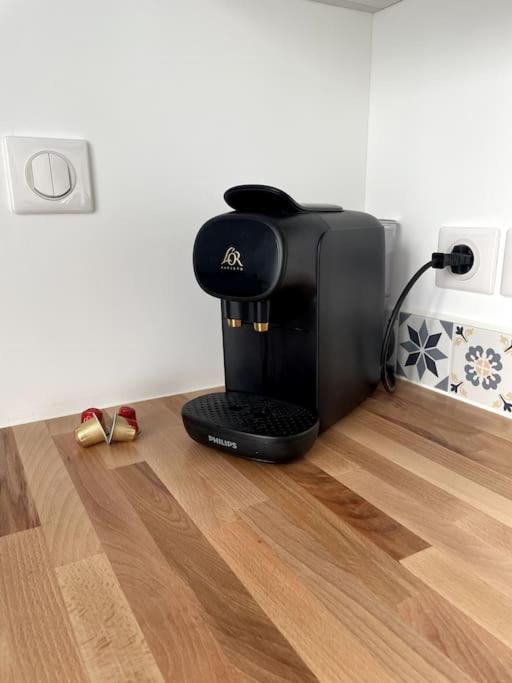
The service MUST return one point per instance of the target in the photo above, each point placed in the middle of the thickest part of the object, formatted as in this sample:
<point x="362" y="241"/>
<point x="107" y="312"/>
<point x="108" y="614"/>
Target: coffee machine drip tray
<point x="251" y="426"/>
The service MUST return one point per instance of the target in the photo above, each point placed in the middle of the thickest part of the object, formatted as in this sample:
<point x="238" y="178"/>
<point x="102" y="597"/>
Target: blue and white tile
<point x="481" y="369"/>
<point x="424" y="350"/>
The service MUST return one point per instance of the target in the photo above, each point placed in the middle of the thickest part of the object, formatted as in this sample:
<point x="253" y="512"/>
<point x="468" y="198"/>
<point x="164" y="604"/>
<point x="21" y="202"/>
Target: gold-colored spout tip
<point x="261" y="327"/>
<point x="234" y="322"/>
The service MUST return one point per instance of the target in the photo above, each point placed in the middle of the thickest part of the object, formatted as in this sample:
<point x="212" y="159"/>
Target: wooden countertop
<point x="384" y="555"/>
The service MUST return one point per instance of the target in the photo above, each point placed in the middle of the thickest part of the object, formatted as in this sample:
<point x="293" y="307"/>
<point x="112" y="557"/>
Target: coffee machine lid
<point x="272" y="201"/>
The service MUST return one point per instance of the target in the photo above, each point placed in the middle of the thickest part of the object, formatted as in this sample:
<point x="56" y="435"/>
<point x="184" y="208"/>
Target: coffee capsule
<point x="127" y="412"/>
<point x="122" y="430"/>
<point x="133" y="423"/>
<point x="89" y="412"/>
<point x="90" y="432"/>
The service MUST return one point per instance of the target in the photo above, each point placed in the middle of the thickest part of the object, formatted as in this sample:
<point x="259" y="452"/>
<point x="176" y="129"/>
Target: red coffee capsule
<point x="90" y="412"/>
<point x="127" y="412"/>
<point x="132" y="422"/>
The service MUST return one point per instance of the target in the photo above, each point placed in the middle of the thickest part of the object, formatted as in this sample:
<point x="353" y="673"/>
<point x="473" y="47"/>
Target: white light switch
<point x="48" y="175"/>
<point x="61" y="175"/>
<point x="506" y="284"/>
<point x="41" y="176"/>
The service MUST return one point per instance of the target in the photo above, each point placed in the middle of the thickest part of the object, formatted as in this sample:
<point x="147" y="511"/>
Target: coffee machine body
<point x="302" y="302"/>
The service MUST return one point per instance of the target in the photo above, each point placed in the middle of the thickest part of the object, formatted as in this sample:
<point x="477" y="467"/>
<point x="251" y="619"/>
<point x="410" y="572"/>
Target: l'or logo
<point x="231" y="260"/>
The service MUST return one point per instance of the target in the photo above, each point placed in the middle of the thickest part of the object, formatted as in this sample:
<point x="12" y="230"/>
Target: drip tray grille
<point x="250" y="414"/>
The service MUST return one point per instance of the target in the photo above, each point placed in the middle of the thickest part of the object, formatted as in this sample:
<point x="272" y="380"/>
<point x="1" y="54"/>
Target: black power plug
<point x="460" y="260"/>
<point x="463" y="268"/>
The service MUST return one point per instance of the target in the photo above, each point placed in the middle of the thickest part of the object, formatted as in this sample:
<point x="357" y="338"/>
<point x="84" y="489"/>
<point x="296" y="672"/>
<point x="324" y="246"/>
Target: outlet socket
<point x="484" y="242"/>
<point x="506" y="283"/>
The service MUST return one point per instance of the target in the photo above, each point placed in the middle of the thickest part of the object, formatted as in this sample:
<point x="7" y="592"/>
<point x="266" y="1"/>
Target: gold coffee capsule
<point x="90" y="432"/>
<point x="121" y="430"/>
<point x="261" y="327"/>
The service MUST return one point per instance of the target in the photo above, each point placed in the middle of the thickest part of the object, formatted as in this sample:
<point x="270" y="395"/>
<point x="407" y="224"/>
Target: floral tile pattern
<point x="482" y="367"/>
<point x="424" y="350"/>
<point x="468" y="362"/>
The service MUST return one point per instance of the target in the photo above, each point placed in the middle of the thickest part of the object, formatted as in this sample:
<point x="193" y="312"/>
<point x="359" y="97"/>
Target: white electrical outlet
<point x="506" y="283"/>
<point x="484" y="242"/>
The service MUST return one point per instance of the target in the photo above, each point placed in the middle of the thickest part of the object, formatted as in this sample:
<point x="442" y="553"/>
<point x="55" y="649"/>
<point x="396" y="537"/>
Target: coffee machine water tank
<point x="301" y="289"/>
<point x="390" y="240"/>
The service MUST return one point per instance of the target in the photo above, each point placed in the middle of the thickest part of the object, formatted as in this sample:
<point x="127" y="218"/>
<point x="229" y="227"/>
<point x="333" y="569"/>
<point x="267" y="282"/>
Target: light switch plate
<point x="48" y="175"/>
<point x="506" y="283"/>
<point x="484" y="243"/>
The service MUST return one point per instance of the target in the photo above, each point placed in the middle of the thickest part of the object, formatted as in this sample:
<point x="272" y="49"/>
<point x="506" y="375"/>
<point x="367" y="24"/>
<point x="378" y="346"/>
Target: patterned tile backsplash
<point x="465" y="361"/>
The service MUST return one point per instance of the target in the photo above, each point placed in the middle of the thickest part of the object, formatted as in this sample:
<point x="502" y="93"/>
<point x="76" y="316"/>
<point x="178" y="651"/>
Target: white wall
<point x="179" y="100"/>
<point x="440" y="136"/>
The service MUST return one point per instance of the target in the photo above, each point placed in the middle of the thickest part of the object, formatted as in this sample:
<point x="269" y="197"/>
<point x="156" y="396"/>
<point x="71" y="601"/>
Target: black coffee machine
<point x="302" y="298"/>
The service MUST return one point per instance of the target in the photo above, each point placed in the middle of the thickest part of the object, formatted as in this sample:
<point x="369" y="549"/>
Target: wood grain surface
<point x="17" y="509"/>
<point x="110" y="640"/>
<point x="384" y="555"/>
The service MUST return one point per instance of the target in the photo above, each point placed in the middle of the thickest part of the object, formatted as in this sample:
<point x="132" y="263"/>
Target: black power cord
<point x="460" y="260"/>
